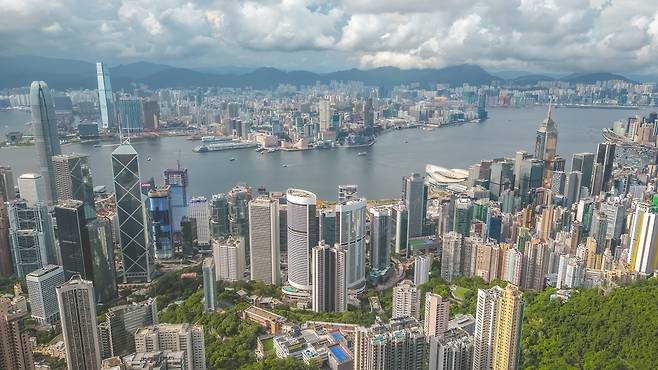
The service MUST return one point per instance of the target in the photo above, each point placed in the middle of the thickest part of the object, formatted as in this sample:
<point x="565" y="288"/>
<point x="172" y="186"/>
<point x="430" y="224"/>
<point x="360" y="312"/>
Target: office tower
<point x="643" y="250"/>
<point x="558" y="182"/>
<point x="546" y="144"/>
<point x="73" y="181"/>
<point x="399" y="225"/>
<point x="422" y="268"/>
<point x="399" y="345"/>
<point x="451" y="255"/>
<point x="117" y="332"/>
<point x="150" y="114"/>
<point x="329" y="275"/>
<point x="583" y="162"/>
<point x="351" y="234"/>
<point x="501" y="178"/>
<point x="174" y="337"/>
<point x="7" y="190"/>
<point x="6" y="268"/>
<point x="106" y="97"/>
<point x="380" y="238"/>
<point x="46" y="140"/>
<point x="571" y="272"/>
<point x="177" y="180"/>
<point x="462" y="216"/>
<point x="15" y="346"/>
<point x="302" y="236"/>
<point x="41" y="286"/>
<point x="531" y="172"/>
<point x="32" y="188"/>
<point x="437" y="314"/>
<point x="77" y="309"/>
<point x="509" y="318"/>
<point x="452" y="351"/>
<point x="233" y="109"/>
<point x="136" y="254"/>
<point x="238" y="213"/>
<point x="264" y="240"/>
<point x="519" y="157"/>
<point x="485" y="327"/>
<point x="31" y="237"/>
<point x="324" y="113"/>
<point x="229" y="258"/>
<point x="572" y="187"/>
<point x="535" y="263"/>
<point x="209" y="284"/>
<point x="327" y="225"/>
<point x="75" y="252"/>
<point x="198" y="209"/>
<point x="160" y="217"/>
<point x="129" y="111"/>
<point x="605" y="156"/>
<point x="615" y="214"/>
<point x="219" y="224"/>
<point x="414" y="194"/>
<point x="98" y="238"/>
<point x="406" y="300"/>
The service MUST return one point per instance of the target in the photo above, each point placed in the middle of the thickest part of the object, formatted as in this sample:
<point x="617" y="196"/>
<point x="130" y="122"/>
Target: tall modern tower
<point x="6" y="269"/>
<point x="584" y="162"/>
<point x="159" y="211"/>
<point x="380" y="238"/>
<point x="136" y="254"/>
<point x="508" y="329"/>
<point x="328" y="265"/>
<point x="546" y="145"/>
<point x="437" y="313"/>
<point x="414" y="194"/>
<point x="176" y="178"/>
<point x="98" y="237"/>
<point x="264" y="240"/>
<point x="7" y="191"/>
<point x="209" y="284"/>
<point x="15" y="347"/>
<point x="351" y="234"/>
<point x="73" y="181"/>
<point x="77" y="309"/>
<point x="105" y="97"/>
<point x="199" y="210"/>
<point x="302" y="236"/>
<point x="605" y="156"/>
<point x="73" y="246"/>
<point x="44" y="124"/>
<point x="485" y="327"/>
<point x="31" y="236"/>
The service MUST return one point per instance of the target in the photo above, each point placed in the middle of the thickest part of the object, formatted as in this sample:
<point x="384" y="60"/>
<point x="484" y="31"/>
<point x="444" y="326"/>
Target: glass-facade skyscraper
<point x="414" y="194"/>
<point x="105" y="97"/>
<point x="46" y="140"/>
<point x="98" y="238"/>
<point x="160" y="229"/>
<point x="73" y="181"/>
<point x="31" y="236"/>
<point x="177" y="180"/>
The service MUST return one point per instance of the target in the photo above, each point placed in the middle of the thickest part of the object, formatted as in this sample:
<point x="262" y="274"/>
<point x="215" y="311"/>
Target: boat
<point x="272" y="150"/>
<point x="361" y="154"/>
<point x="215" y="139"/>
<point x="97" y="145"/>
<point x="232" y="159"/>
<point x="217" y="147"/>
<point x="148" y="159"/>
<point x="284" y="165"/>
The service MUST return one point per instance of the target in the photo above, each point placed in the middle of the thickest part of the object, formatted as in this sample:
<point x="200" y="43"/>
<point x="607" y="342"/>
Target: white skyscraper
<point x="303" y="233"/>
<point x="351" y="234"/>
<point x="437" y="314"/>
<point x="209" y="284"/>
<point x="485" y="327"/>
<point x="199" y="210"/>
<point x="406" y="300"/>
<point x="571" y="272"/>
<point x="32" y="188"/>
<point x="105" y="97"/>
<point x="174" y="337"/>
<point x="264" y="240"/>
<point x="644" y="239"/>
<point x="229" y="258"/>
<point x="41" y="285"/>
<point x="422" y="268"/>
<point x="451" y="255"/>
<point x="325" y="114"/>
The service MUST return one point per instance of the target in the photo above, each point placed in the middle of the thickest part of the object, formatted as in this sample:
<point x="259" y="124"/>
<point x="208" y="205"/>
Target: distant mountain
<point x="223" y="70"/>
<point x="590" y="78"/>
<point x="138" y="70"/>
<point x="530" y="80"/>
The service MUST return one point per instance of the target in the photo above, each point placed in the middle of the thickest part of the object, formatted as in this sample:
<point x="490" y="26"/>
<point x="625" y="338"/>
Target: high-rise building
<point x="546" y="144"/>
<point x="532" y="173"/>
<point x="106" y="97"/>
<point x="98" y="237"/>
<point x="150" y="114"/>
<point x="77" y="309"/>
<point x="177" y="180"/>
<point x="406" y="300"/>
<point x="6" y="268"/>
<point x="324" y="113"/>
<point x="32" y="188"/>
<point x="327" y="224"/>
<point x="414" y="194"/>
<point x="437" y="314"/>
<point x="302" y="236"/>
<point x="136" y="254"/>
<point x="584" y="162"/>
<point x="452" y="351"/>
<point x="571" y="272"/>
<point x="198" y="209"/>
<point x="15" y="345"/>
<point x="219" y="224"/>
<point x="605" y="157"/>
<point x="73" y="181"/>
<point x="129" y="111"/>
<point x="46" y="139"/>
<point x="351" y="234"/>
<point x="462" y="217"/>
<point x="422" y="268"/>
<point x="451" y="252"/>
<point x="507" y="343"/>
<point x="73" y="247"/>
<point x="7" y="190"/>
<point x="487" y="261"/>
<point x="209" y="284"/>
<point x="160" y="217"/>
<point x="174" y="337"/>
<point x="380" y="238"/>
<point x="41" y="286"/>
<point x="643" y="250"/>
<point x="329" y="274"/>
<point x="485" y="327"/>
<point x="117" y="332"/>
<point x="399" y="345"/>
<point x="501" y="177"/>
<point x="535" y="263"/>
<point x="229" y="258"/>
<point x="31" y="237"/>
<point x="399" y="225"/>
<point x="512" y="265"/>
<point x="572" y="187"/>
<point x="238" y="213"/>
<point x="264" y="240"/>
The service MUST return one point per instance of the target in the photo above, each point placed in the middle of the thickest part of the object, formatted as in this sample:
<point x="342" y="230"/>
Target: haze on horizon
<point x="535" y="35"/>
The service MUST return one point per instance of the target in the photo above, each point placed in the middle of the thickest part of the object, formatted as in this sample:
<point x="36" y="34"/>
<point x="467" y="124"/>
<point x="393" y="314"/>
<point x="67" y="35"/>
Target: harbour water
<point x="378" y="173"/>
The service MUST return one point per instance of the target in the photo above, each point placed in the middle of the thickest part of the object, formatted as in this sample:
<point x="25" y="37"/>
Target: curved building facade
<point x="351" y="234"/>
<point x="44" y="124"/>
<point x="303" y="234"/>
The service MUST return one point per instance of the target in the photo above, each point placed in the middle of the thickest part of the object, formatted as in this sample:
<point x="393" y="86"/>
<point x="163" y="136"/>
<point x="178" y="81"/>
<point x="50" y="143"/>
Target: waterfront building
<point x="507" y="343"/>
<point x="327" y="224"/>
<point x="451" y="253"/>
<point x="198" y="209"/>
<point x="399" y="344"/>
<point x="176" y="179"/>
<point x="303" y="232"/>
<point x="219" y="222"/>
<point x="106" y="97"/>
<point x="150" y="114"/>
<point x="46" y="139"/>
<point x="546" y="145"/>
<point x="77" y="308"/>
<point x="73" y="181"/>
<point x="136" y="254"/>
<point x="406" y="300"/>
<point x="32" y="188"/>
<point x="329" y="274"/>
<point x="351" y="234"/>
<point x="264" y="240"/>
<point x="130" y="115"/>
<point x="414" y="195"/>
<point x="160" y="218"/>
<point x="229" y="258"/>
<point x="437" y="313"/>
<point x="451" y="351"/>
<point x="380" y="238"/>
<point x="15" y="344"/>
<point x="41" y="286"/>
<point x="174" y="337"/>
<point x="117" y="332"/>
<point x="209" y="285"/>
<point x="485" y="327"/>
<point x="31" y="237"/>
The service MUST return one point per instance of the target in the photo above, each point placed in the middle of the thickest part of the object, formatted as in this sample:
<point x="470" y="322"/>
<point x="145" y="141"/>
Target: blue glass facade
<point x="160" y="228"/>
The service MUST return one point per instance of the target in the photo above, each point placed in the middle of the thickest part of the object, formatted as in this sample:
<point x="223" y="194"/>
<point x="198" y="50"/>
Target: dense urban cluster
<point x="468" y="269"/>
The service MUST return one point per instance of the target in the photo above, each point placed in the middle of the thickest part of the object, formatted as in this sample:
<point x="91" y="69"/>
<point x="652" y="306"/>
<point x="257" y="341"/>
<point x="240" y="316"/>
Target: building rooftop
<point x="44" y="270"/>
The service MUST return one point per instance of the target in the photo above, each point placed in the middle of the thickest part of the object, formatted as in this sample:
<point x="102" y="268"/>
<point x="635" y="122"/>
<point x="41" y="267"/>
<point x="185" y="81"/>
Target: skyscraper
<point x="15" y="346"/>
<point x="41" y="285"/>
<point x="198" y="209"/>
<point x="77" y="310"/>
<point x="451" y="252"/>
<point x="437" y="314"/>
<point x="399" y="344"/>
<point x="605" y="156"/>
<point x="264" y="240"/>
<point x="177" y="179"/>
<point x="572" y="187"/>
<point x="7" y="191"/>
<point x="414" y="194"/>
<point x="229" y="258"/>
<point x="219" y="224"/>
<point x="117" y="332"/>
<point x="160" y="228"/>
<point x="452" y="351"/>
<point x="32" y="188"/>
<point x="643" y="250"/>
<point x="129" y="111"/>
<point x="31" y="237"/>
<point x="324" y="114"/>
<point x="546" y="144"/>
<point x="422" y="268"/>
<point x="302" y="236"/>
<point x="209" y="284"/>
<point x="6" y="268"/>
<point x="485" y="327"/>
<point x="329" y="274"/>
<point x="508" y="329"/>
<point x="406" y="300"/>
<point x="380" y="238"/>
<point x="584" y="162"/>
<point x="46" y="139"/>
<point x="174" y="337"/>
<point x="98" y="238"/>
<point x="238" y="213"/>
<point x="73" y="246"/>
<point x="136" y="254"/>
<point x="351" y="234"/>
<point x="106" y="97"/>
<point x="73" y="181"/>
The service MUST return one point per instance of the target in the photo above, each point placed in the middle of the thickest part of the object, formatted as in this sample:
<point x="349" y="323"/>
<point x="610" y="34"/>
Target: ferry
<point x="215" y="139"/>
<point x="361" y="154"/>
<point x="217" y="147"/>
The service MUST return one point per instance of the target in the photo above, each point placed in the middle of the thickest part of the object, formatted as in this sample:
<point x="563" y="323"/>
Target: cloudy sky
<point x="535" y="35"/>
